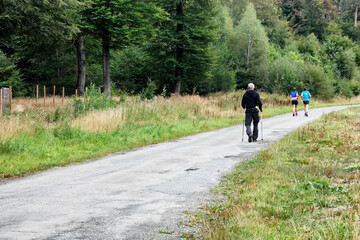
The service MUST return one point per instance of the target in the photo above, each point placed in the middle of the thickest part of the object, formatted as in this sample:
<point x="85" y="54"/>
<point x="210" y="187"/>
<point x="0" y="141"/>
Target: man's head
<point x="251" y="86"/>
<point x="294" y="89"/>
<point x="304" y="88"/>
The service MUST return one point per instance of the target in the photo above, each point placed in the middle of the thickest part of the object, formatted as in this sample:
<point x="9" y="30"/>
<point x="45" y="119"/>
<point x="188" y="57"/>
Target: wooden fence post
<point x="54" y="96"/>
<point x="10" y="88"/>
<point x="44" y="96"/>
<point x="37" y="94"/>
<point x="86" y="89"/>
<point x="1" y="104"/>
<point x="76" y="92"/>
<point x="63" y="95"/>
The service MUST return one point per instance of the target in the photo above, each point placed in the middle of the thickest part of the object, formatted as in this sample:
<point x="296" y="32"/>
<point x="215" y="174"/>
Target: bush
<point x="149" y="91"/>
<point x="10" y="76"/>
<point x="317" y="82"/>
<point x="93" y="100"/>
<point x="285" y="74"/>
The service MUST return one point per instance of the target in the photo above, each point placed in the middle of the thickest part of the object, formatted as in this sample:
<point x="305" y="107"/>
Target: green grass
<point x="55" y="143"/>
<point x="307" y="186"/>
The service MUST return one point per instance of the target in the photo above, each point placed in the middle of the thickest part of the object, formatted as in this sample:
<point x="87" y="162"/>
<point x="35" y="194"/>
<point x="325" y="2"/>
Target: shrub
<point x="93" y="100"/>
<point x="317" y="81"/>
<point x="149" y="91"/>
<point x="284" y="75"/>
<point x="10" y="76"/>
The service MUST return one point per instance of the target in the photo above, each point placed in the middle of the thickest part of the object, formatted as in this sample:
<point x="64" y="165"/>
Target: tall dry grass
<point x="160" y="109"/>
<point x="11" y="127"/>
<point x="27" y="114"/>
<point x="22" y="104"/>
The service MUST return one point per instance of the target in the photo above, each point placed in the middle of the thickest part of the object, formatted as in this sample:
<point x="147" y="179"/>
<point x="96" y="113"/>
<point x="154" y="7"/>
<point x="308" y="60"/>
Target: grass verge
<point x="35" y="140"/>
<point x="307" y="186"/>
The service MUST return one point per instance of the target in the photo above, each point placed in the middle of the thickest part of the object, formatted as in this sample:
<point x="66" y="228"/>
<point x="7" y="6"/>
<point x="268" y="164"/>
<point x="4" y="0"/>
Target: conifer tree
<point x="120" y="23"/>
<point x="180" y="52"/>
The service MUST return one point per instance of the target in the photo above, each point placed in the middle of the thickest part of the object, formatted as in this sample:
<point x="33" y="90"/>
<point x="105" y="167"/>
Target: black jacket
<point x="251" y="99"/>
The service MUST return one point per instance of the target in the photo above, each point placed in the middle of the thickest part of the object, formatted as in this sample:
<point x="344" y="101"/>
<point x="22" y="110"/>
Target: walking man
<point x="306" y="100"/>
<point x="252" y="103"/>
<point x="294" y="101"/>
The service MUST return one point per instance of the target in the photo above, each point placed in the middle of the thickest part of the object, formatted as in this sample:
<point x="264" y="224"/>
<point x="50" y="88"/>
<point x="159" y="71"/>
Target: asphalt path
<point x="133" y="194"/>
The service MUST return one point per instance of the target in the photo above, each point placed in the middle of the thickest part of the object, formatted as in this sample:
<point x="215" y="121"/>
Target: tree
<point x="120" y="23"/>
<point x="81" y="57"/>
<point x="10" y="76"/>
<point x="309" y="16"/>
<point x="181" y="53"/>
<point x="251" y="48"/>
<point x="35" y="34"/>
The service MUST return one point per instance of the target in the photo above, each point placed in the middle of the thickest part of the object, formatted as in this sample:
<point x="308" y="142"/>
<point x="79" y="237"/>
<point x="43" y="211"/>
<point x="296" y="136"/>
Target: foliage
<point x="130" y="69"/>
<point x="204" y="46"/>
<point x="285" y="73"/>
<point x="251" y="48"/>
<point x="149" y="91"/>
<point x="119" y="24"/>
<point x="10" y="76"/>
<point x="317" y="82"/>
<point x="193" y="41"/>
<point x="92" y="100"/>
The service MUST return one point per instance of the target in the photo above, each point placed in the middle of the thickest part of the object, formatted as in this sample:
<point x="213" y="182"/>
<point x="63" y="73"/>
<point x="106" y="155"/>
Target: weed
<point x="352" y="167"/>
<point x="92" y="100"/>
<point x="166" y="232"/>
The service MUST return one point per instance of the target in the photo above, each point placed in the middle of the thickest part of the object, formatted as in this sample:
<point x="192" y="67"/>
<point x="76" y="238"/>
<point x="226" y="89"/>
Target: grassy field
<point x="35" y="138"/>
<point x="307" y="186"/>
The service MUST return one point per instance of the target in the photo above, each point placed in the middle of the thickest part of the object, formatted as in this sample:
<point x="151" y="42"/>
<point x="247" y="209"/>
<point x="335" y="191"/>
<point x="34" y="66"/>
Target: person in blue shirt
<point x="294" y="101"/>
<point x="306" y="99"/>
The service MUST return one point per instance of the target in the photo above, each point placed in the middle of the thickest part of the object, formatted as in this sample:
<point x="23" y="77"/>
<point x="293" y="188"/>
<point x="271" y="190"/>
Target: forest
<point x="181" y="46"/>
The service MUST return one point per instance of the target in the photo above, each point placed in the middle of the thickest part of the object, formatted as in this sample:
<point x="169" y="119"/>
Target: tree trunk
<point x="356" y="16"/>
<point x="179" y="50"/>
<point x="106" y="62"/>
<point x="81" y="78"/>
<point x="248" y="54"/>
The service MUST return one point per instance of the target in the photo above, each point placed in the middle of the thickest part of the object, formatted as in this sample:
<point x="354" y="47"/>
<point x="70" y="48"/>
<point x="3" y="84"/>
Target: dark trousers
<point x="252" y="115"/>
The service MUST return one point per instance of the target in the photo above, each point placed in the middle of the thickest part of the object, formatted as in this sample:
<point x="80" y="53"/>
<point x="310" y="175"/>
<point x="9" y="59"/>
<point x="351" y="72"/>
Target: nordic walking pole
<point x="243" y="125"/>
<point x="262" y="129"/>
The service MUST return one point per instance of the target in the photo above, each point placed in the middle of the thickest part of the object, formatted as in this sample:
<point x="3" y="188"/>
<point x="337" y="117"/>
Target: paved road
<point x="132" y="194"/>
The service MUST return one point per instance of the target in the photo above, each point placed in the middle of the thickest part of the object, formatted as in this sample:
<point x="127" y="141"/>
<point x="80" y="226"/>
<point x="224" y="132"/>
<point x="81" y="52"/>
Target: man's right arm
<point x="243" y="102"/>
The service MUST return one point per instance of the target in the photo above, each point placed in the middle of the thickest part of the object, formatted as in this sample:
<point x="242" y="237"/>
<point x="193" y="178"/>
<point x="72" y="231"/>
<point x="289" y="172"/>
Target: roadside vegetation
<point x="36" y="139"/>
<point x="307" y="186"/>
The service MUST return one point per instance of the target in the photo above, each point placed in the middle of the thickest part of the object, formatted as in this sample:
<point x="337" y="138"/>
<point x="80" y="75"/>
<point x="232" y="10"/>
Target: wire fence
<point x="48" y="98"/>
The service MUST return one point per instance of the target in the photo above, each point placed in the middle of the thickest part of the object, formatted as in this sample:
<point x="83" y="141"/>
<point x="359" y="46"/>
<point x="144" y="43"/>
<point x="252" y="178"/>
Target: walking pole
<point x="243" y="125"/>
<point x="262" y="129"/>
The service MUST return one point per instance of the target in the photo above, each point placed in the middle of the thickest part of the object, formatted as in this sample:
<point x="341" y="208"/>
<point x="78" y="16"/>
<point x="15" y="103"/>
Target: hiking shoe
<point x="296" y="114"/>
<point x="250" y="138"/>
<point x="293" y="114"/>
<point x="306" y="114"/>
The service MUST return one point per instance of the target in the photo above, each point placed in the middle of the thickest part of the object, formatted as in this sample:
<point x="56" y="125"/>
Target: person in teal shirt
<point x="306" y="100"/>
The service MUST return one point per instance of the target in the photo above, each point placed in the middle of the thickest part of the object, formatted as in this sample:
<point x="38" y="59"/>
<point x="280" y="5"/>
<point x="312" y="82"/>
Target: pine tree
<point x="180" y="53"/>
<point x="120" y="23"/>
